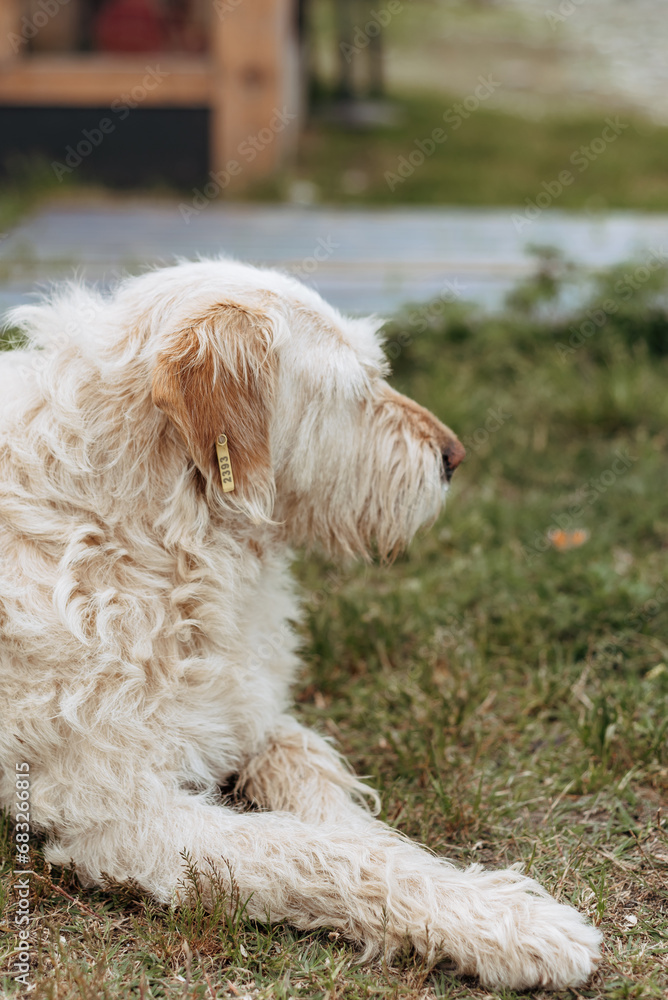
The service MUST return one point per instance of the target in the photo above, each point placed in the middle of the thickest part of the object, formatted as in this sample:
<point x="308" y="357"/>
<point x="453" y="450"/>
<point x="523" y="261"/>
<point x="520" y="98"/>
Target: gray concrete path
<point x="361" y="260"/>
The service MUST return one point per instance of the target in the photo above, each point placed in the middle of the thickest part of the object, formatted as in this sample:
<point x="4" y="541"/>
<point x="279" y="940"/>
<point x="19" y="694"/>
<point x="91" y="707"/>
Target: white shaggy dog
<point x="141" y="597"/>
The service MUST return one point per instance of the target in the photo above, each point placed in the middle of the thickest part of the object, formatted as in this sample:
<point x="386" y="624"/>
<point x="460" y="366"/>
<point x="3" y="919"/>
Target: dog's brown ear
<point x="215" y="378"/>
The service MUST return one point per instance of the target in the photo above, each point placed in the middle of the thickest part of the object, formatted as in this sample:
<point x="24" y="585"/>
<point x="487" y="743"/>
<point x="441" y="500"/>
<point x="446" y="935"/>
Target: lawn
<point x="508" y="697"/>
<point x="482" y="156"/>
<point x="437" y="152"/>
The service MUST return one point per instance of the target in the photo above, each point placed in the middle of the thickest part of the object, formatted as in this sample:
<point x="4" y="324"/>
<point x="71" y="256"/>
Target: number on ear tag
<point x="222" y="451"/>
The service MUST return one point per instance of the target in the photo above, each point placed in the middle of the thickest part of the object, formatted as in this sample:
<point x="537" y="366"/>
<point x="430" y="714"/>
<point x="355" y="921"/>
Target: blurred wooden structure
<point x="248" y="70"/>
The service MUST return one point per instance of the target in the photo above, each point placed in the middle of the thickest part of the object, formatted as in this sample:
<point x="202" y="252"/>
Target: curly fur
<point x="140" y="605"/>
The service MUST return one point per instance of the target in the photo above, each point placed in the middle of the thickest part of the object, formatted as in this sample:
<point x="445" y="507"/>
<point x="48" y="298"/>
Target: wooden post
<point x="10" y="28"/>
<point x="255" y="94"/>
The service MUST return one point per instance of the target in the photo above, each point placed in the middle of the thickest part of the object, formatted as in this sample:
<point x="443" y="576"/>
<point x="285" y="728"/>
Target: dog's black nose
<point x="452" y="455"/>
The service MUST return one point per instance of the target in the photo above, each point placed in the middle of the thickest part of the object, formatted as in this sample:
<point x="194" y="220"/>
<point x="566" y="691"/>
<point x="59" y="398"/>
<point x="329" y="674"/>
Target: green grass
<point x="492" y="158"/>
<point x="510" y="700"/>
<point x="26" y="181"/>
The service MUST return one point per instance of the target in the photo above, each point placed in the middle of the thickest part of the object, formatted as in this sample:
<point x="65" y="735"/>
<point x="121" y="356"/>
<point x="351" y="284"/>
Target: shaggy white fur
<point x="146" y="654"/>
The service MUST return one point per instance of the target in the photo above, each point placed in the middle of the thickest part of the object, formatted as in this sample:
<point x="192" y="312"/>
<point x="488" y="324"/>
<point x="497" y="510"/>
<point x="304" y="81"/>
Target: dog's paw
<point x="534" y="941"/>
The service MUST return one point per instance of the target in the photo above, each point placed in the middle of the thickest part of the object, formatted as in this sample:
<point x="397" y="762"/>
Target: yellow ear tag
<point x="222" y="451"/>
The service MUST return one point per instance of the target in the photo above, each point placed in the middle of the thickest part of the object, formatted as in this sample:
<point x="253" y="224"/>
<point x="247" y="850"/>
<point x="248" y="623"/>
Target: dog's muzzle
<point x="452" y="455"/>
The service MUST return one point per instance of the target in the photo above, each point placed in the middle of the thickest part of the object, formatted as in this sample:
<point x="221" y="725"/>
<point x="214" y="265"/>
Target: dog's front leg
<point x="377" y="888"/>
<point x="300" y="772"/>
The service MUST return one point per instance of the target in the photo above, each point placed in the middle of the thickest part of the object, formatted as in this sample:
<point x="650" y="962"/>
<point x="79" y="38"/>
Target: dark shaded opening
<point x="120" y="146"/>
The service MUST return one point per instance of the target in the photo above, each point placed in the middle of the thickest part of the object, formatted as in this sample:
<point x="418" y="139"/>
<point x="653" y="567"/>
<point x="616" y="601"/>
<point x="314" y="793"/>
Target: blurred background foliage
<point x="556" y="79"/>
<point x="370" y="95"/>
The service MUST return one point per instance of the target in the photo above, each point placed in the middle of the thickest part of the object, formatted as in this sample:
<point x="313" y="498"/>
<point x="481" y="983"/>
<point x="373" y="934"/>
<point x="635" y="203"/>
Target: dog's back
<point x="16" y="368"/>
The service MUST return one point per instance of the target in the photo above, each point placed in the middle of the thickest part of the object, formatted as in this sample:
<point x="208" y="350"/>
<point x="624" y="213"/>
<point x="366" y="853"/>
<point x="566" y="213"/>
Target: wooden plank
<point x="98" y="80"/>
<point x="255" y="55"/>
<point x="10" y="27"/>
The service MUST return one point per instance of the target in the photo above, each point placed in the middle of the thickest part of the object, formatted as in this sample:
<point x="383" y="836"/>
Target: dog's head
<point x="318" y="441"/>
